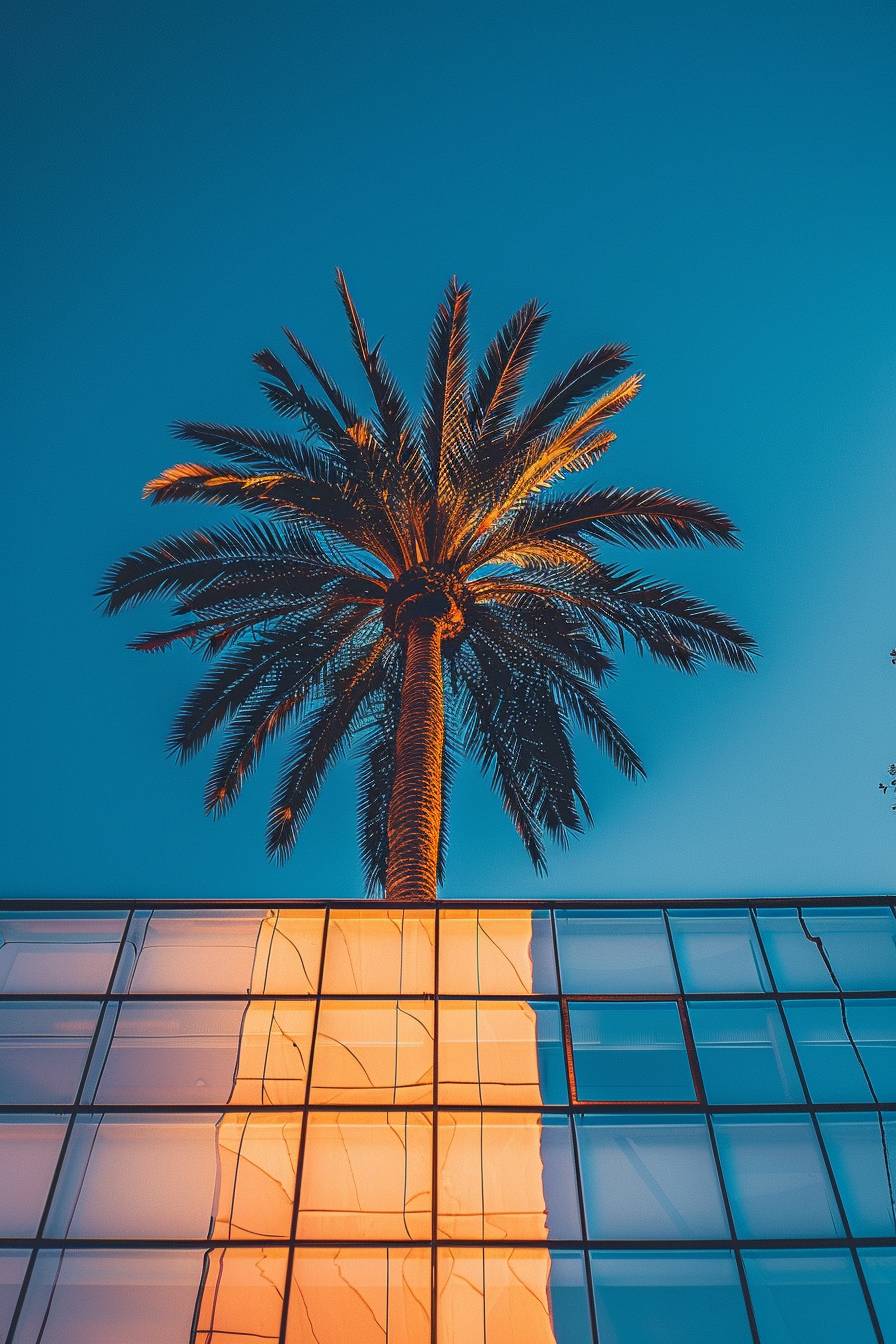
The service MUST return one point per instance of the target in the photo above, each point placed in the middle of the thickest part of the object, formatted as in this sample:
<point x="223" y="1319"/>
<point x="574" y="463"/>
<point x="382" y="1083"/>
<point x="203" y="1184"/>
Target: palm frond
<point x="642" y="518"/>
<point x="322" y="737"/>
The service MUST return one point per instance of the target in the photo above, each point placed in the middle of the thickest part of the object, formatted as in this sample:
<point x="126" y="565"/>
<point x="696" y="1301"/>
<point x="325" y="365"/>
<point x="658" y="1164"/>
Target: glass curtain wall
<point x="668" y="1125"/>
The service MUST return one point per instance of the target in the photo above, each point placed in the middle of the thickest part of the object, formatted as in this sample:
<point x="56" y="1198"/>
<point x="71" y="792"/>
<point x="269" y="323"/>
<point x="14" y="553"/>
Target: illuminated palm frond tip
<point x="420" y="586"/>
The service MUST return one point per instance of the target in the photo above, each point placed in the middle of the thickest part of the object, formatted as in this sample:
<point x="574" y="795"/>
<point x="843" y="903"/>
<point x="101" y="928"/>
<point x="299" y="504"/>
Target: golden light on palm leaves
<point x="420" y="584"/>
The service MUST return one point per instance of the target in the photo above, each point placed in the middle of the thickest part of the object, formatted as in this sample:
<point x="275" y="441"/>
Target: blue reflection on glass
<point x="879" y="1267"/>
<point x="873" y="1026"/>
<point x="570" y="1317"/>
<point x="807" y="1297"/>
<point x="744" y="1053"/>
<point x="614" y="952"/>
<point x="775" y="1176"/>
<point x="796" y="960"/>
<point x="864" y="1168"/>
<point x="718" y="952"/>
<point x="668" y="1297"/>
<point x="859" y="944"/>
<point x="630" y="1052"/>
<point x="648" y="1177"/>
<point x="831" y="1065"/>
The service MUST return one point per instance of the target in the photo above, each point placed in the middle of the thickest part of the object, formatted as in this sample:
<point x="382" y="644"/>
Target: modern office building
<point x="493" y="1124"/>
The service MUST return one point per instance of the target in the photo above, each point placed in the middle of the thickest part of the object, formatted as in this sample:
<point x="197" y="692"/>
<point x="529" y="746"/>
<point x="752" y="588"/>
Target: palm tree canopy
<point x="362" y="523"/>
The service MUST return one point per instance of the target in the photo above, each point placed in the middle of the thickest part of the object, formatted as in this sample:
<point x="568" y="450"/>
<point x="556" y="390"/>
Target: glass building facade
<point x="665" y="1124"/>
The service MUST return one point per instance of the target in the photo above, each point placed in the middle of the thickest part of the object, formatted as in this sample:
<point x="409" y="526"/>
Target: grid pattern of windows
<point x="469" y="1125"/>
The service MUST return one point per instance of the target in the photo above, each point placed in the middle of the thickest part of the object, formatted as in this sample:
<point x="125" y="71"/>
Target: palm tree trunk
<point x="415" y="808"/>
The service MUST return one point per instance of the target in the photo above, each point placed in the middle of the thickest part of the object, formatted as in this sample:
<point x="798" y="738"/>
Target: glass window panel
<point x="501" y="1052"/>
<point x="873" y="1026"/>
<point x="29" y="1149"/>
<point x="154" y="1297"/>
<point x="373" y="1050"/>
<point x="211" y="1053"/>
<point x="668" y="1297"/>
<point x="649" y="1177"/>
<point x="775" y="1177"/>
<point x="13" y="1265"/>
<point x="831" y="1064"/>
<point x="744" y="1053"/>
<point x="52" y="955"/>
<point x="614" y="952"/>
<point x="718" y="952"/>
<point x="508" y="1295"/>
<point x="380" y="952"/>
<point x="630" y="1052"/>
<point x="368" y="1295"/>
<point x="879" y="1267"/>
<point x="862" y="1151"/>
<point x="496" y="952"/>
<point x="795" y="959"/>
<point x="506" y="1175"/>
<point x="178" y="1176"/>
<point x="367" y="1176"/>
<point x="289" y="951"/>
<point x="807" y="1297"/>
<point x="43" y="1049"/>
<point x="197" y="951"/>
<point x="859" y="943"/>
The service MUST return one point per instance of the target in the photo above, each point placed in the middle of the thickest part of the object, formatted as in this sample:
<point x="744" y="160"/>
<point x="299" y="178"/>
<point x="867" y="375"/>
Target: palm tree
<point x="405" y="574"/>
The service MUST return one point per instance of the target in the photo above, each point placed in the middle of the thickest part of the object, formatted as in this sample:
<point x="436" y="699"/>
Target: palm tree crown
<point x="419" y="583"/>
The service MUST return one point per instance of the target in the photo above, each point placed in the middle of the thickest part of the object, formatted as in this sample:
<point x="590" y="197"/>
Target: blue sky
<point x="714" y="186"/>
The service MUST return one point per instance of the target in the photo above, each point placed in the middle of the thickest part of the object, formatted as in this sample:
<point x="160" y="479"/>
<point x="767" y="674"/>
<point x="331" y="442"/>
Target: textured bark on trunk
<point x="415" y="808"/>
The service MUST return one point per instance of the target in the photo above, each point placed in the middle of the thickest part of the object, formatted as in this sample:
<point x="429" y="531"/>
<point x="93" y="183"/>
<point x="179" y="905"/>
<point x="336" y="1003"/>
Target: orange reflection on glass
<point x="287" y="958"/>
<point x="486" y="952"/>
<point x="376" y="1295"/>
<point x="257" y="1161"/>
<point x="488" y="1053"/>
<point x="273" y="1059"/>
<point x="491" y="1176"/>
<point x="373" y="1050"/>
<point x="241" y="1298"/>
<point x="494" y="1296"/>
<point x="367" y="1176"/>
<point x="380" y="952"/>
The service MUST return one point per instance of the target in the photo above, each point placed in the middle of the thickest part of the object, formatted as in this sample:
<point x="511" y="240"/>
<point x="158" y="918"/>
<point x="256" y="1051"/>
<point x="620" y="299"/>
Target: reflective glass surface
<point x="496" y="952"/>
<point x="620" y="952"/>
<point x="170" y="1177"/>
<point x="776" y="1178"/>
<point x="744" y="1053"/>
<point x="408" y="1125"/>
<point x="648" y="1177"/>
<point x="861" y="1147"/>
<point x="203" y="1053"/>
<point x="879" y="1267"/>
<point x="46" y="954"/>
<point x="501" y="1052"/>
<point x="829" y="1053"/>
<point x="29" y="1150"/>
<point x="718" y="952"/>
<point x="43" y="1050"/>
<point x="365" y="1295"/>
<point x="858" y="945"/>
<point x="500" y="1296"/>
<point x="373" y="1050"/>
<point x="506" y="1176"/>
<point x="669" y="1297"/>
<point x="625" y="1052"/>
<point x="807" y="1297"/>
<point x="154" y="1297"/>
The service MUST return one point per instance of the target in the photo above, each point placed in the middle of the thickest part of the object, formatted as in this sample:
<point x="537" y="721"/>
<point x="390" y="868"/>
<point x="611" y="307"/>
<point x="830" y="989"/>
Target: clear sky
<point x="712" y="184"/>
